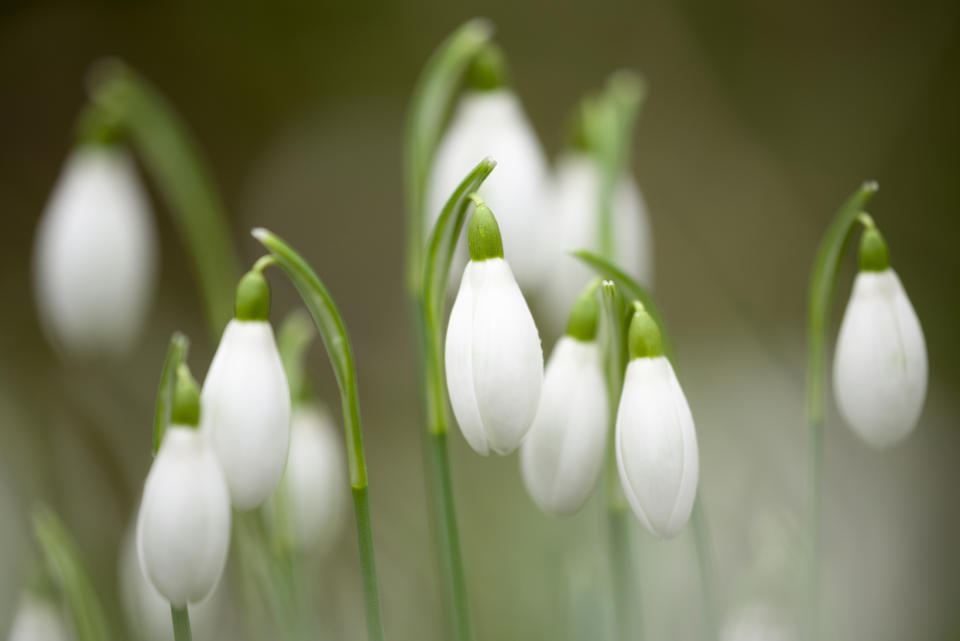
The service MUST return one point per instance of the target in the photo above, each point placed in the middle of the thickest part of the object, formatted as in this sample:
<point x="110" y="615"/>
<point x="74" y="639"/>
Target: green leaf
<point x="823" y="282"/>
<point x="176" y="355"/>
<point x="432" y="99"/>
<point x="293" y="339"/>
<point x="65" y="568"/>
<point x="171" y="155"/>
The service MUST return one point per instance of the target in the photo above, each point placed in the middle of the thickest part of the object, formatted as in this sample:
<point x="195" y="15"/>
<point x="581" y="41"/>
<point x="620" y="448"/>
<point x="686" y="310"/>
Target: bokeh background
<point x="762" y="117"/>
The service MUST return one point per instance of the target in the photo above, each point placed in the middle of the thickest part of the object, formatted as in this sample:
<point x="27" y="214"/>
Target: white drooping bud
<point x="246" y="401"/>
<point x="183" y="531"/>
<point x="563" y="454"/>
<point x="656" y="443"/>
<point x="575" y="224"/>
<point x="489" y="122"/>
<point x="309" y="505"/>
<point x="880" y="367"/>
<point x="148" y="613"/>
<point x="37" y="619"/>
<point x="494" y="361"/>
<point x="95" y="254"/>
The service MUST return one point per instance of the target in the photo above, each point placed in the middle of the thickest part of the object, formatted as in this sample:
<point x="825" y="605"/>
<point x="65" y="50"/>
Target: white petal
<point x="246" y="411"/>
<point x="38" y="620"/>
<point x="564" y="451"/>
<point x="880" y="368"/>
<point x="492" y="123"/>
<point x="656" y="446"/>
<point x="95" y="254"/>
<point x="574" y="224"/>
<point x="312" y="495"/>
<point x="183" y="531"/>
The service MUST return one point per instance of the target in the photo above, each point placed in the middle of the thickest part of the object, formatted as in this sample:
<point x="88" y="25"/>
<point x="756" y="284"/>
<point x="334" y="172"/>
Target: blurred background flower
<point x="760" y="119"/>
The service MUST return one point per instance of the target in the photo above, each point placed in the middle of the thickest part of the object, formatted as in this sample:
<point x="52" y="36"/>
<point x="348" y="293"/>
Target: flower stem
<point x="181" y="624"/>
<point x="823" y="281"/>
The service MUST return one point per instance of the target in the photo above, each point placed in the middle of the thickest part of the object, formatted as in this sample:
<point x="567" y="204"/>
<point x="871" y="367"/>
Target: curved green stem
<point x="823" y="280"/>
<point x="172" y="157"/>
<point x="698" y="521"/>
<point x="176" y="356"/>
<point x="181" y="624"/>
<point x="333" y="331"/>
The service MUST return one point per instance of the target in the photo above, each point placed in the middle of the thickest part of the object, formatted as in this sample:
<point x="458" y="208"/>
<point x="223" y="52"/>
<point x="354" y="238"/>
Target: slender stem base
<point x="623" y="569"/>
<point x="701" y="539"/>
<point x="181" y="624"/>
<point x="815" y="463"/>
<point x="368" y="563"/>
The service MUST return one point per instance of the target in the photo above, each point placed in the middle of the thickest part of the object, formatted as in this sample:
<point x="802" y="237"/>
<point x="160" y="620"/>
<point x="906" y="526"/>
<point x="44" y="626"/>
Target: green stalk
<point x="181" y="624"/>
<point x="698" y="520"/>
<point x="332" y="329"/>
<point x="120" y="96"/>
<point x="823" y="280"/>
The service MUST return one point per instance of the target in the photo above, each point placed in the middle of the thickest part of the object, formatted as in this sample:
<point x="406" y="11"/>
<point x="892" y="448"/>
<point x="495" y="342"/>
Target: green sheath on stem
<point x="181" y="624"/>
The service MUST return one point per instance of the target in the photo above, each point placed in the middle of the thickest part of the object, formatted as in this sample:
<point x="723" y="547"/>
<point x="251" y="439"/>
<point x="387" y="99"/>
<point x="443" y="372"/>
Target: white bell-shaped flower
<point x="246" y="401"/>
<point x="95" y="254"/>
<point x="183" y="530"/>
<point x="574" y="222"/>
<point x="37" y="619"/>
<point x="563" y="454"/>
<point x="489" y="122"/>
<point x="309" y="506"/>
<point x="656" y="443"/>
<point x="880" y="367"/>
<point x="494" y="361"/>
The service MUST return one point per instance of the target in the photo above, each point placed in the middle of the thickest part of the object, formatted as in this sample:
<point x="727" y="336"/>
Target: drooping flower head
<point x="489" y="122"/>
<point x="246" y="399"/>
<point x="880" y="367"/>
<point x="494" y="362"/>
<point x="563" y="454"/>
<point x="656" y="443"/>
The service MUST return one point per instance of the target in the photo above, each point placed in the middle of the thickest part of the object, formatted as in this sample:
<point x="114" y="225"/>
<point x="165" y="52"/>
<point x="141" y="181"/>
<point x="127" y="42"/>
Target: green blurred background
<point x="762" y="117"/>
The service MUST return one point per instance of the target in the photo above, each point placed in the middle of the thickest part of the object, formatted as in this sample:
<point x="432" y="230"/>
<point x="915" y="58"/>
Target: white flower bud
<point x="493" y="357"/>
<point x="563" y="454"/>
<point x="492" y="123"/>
<point x="95" y="254"/>
<point x="183" y="530"/>
<point x="246" y="411"/>
<point x="575" y="221"/>
<point x="880" y="367"/>
<point x="38" y="620"/>
<point x="312" y="496"/>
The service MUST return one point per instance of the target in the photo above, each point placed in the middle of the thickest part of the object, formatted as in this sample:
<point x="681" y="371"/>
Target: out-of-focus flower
<point x="562" y="456"/>
<point x="308" y="507"/>
<point x="493" y="357"/>
<point x="880" y="367"/>
<point x="37" y="619"/>
<point x="489" y="121"/>
<point x="246" y="401"/>
<point x="95" y="254"/>
<point x="183" y="530"/>
<point x="758" y="621"/>
<point x="656" y="442"/>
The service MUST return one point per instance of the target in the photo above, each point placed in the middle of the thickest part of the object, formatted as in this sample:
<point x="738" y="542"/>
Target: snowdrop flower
<point x="489" y="121"/>
<point x="493" y="357"/>
<point x="95" y="254"/>
<point x="246" y="401"/>
<point x="309" y="505"/>
<point x="183" y="530"/>
<point x="563" y="454"/>
<point x="38" y="620"/>
<point x="656" y="444"/>
<point x="148" y="613"/>
<point x="575" y="225"/>
<point x="880" y="367"/>
<point x="758" y="621"/>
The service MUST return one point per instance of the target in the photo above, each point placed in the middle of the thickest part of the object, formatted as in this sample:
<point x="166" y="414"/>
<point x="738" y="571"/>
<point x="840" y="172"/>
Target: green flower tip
<point x="483" y="236"/>
<point x="97" y="127"/>
<point x="488" y="71"/>
<point x="582" y="123"/>
<point x="874" y="256"/>
<point x="186" y="399"/>
<point x="644" y="339"/>
<point x="584" y="315"/>
<point x="253" y="297"/>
